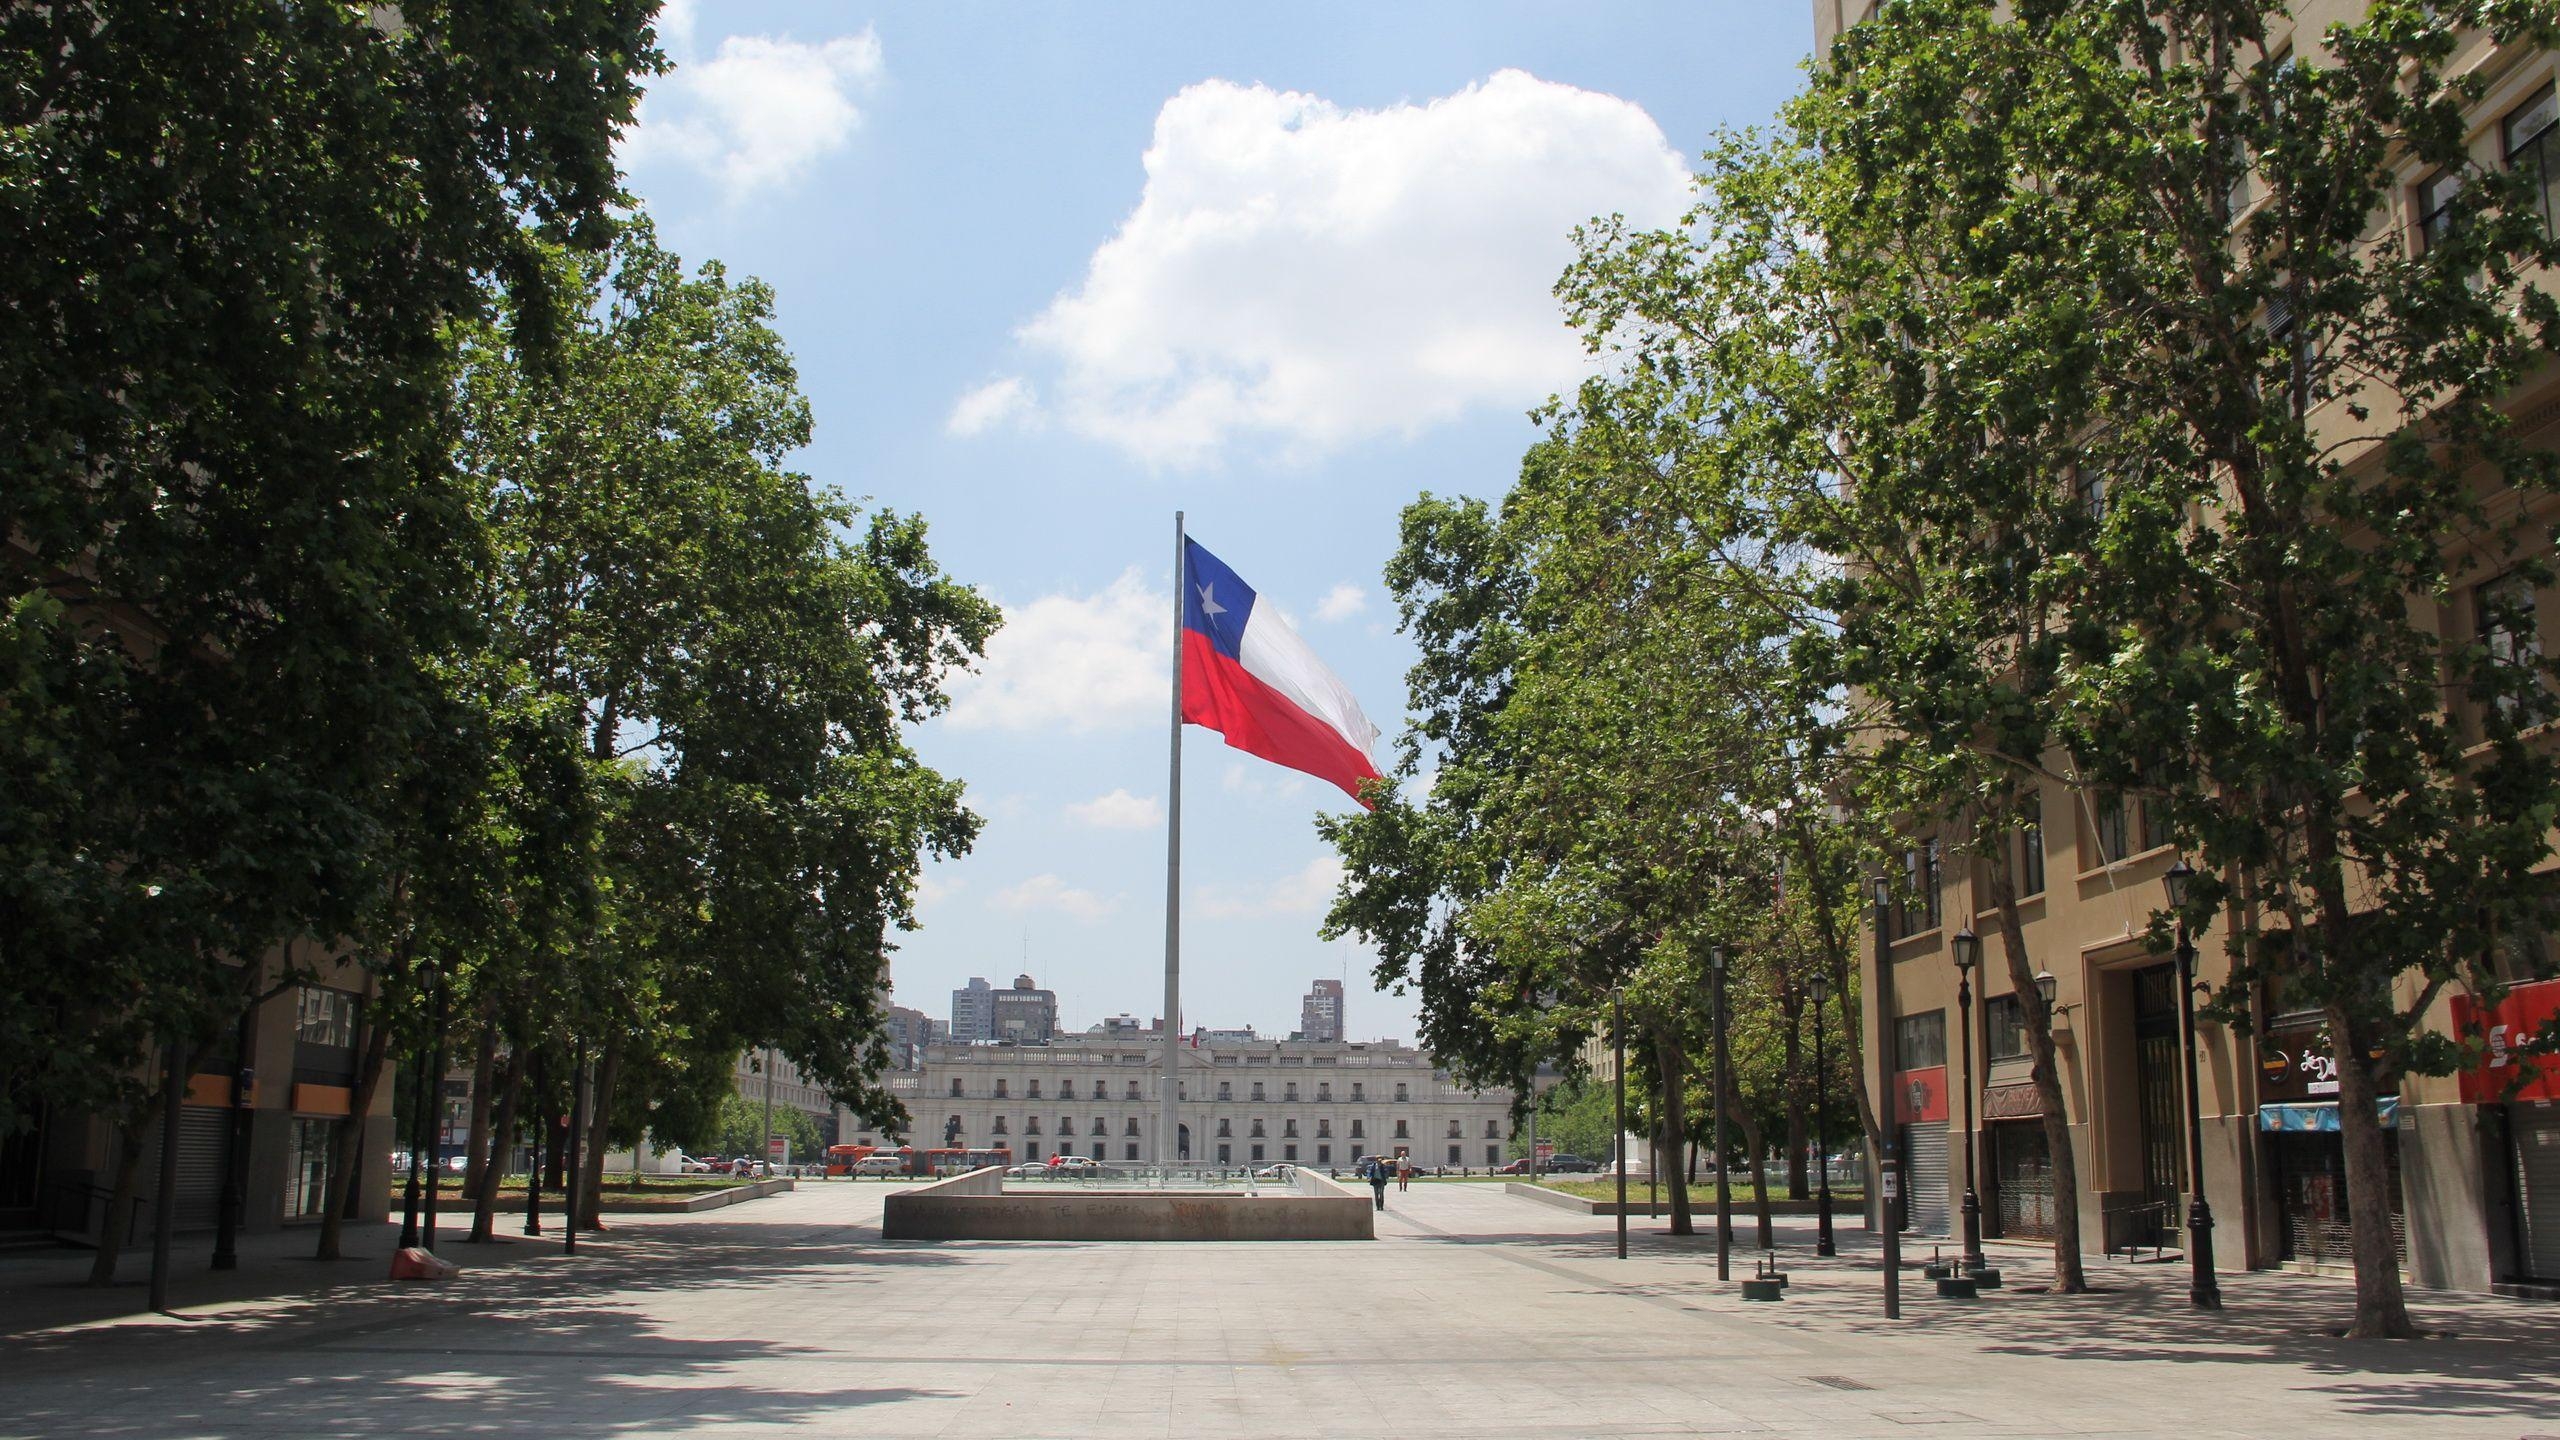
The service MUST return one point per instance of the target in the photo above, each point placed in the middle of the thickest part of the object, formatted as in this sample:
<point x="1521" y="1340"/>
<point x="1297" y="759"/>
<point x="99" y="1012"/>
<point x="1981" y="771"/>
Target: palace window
<point x="1133" y="1126"/>
<point x="2528" y="133"/>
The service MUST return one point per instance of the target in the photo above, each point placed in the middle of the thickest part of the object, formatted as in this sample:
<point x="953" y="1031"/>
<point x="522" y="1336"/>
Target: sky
<point x="1053" y="272"/>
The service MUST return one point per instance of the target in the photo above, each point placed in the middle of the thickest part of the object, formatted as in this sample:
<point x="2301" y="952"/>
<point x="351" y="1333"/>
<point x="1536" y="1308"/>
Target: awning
<point x="2320" y="1118"/>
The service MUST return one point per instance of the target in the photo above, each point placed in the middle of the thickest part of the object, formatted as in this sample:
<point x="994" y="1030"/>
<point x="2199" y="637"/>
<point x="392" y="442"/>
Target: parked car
<point x="1275" y="1172"/>
<point x="1572" y="1165"/>
<point x="880" y="1165"/>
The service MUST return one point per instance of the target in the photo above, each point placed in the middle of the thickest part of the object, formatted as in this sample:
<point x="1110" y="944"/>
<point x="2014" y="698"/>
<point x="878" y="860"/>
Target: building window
<point x="2529" y="142"/>
<point x="1100" y="1127"/>
<point x="1916" y="908"/>
<point x="1324" y="1126"/>
<point x="1257" y="1154"/>
<point x="1324" y="1154"/>
<point x="1402" y="1132"/>
<point x="1066" y="1125"/>
<point x="1031" y="1151"/>
<point x="2114" y="833"/>
<point x="1101" y="1151"/>
<point x="1132" y="1148"/>
<point x="1257" y="1126"/>
<point x="999" y="1126"/>
<point x="1066" y="1089"/>
<point x="1358" y="1130"/>
<point x="1324" y="1090"/>
<point x="315" y="1144"/>
<point x="2004" y="1028"/>
<point x="2436" y="195"/>
<point x="1133" y="1089"/>
<point x="1257" y="1089"/>
<point x="955" y="1087"/>
<point x="1034" y="1092"/>
<point x="1492" y="1157"/>
<point x="1453" y="1130"/>
<point x="1400" y="1088"/>
<point x="1288" y="1152"/>
<point x="1226" y="1090"/>
<point x="2091" y="488"/>
<point x="1031" y="1125"/>
<point x="1289" y="1128"/>
<point x="325" y="1018"/>
<point x="1493" y="1129"/>
<point x="2030" y="842"/>
<point x="2511" y="632"/>
<point x="1920" y="1041"/>
<point x="1132" y="1127"/>
<point x="1000" y="1090"/>
<point x="1453" y="1155"/>
<point x="1290" y="1091"/>
<point x="1226" y="1126"/>
<point x="1355" y="1091"/>
<point x="1226" y="1153"/>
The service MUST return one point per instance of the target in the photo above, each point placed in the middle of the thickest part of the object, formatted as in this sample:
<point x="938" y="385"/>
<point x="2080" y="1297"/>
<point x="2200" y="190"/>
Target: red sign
<point x="778" y="1146"/>
<point x="1546" y="1151"/>
<point x="2507" y="1026"/>
<point x="1920" y="1096"/>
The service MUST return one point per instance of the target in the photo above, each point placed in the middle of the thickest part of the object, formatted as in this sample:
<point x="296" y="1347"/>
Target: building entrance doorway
<point x="1182" y="1141"/>
<point x="2022" y="1180"/>
<point x="2156" y="1097"/>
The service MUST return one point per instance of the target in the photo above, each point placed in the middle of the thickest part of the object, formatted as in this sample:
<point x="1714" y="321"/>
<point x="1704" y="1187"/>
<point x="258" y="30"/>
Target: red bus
<point x="960" y="1161"/>
<point x="840" y="1158"/>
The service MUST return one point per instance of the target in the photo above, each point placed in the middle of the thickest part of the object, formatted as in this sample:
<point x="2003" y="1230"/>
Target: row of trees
<point x="2049" y="398"/>
<point x="405" y="567"/>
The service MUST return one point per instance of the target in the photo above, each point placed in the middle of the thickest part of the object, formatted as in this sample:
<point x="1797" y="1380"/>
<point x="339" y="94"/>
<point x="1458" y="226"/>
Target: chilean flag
<point x="1247" y="675"/>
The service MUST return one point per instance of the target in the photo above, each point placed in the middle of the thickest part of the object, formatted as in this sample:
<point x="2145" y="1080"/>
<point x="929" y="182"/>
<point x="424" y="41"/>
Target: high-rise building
<point x="973" y="1012"/>
<point x="1320" y="1013"/>
<point x="908" y="1032"/>
<point x="1025" y="1014"/>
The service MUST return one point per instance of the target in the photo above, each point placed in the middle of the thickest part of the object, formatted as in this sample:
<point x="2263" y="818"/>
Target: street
<point x="1474" y="1314"/>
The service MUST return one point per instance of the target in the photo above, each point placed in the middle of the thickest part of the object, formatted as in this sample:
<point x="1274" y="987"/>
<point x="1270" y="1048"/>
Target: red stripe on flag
<point x="1224" y="696"/>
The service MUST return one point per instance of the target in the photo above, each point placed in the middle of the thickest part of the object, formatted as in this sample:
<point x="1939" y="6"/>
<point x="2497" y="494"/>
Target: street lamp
<point x="1968" y="952"/>
<point x="1888" y="1154"/>
<point x="1822" y="1245"/>
<point x="2203" y="1290"/>
<point x="1618" y="1040"/>
<point x="1724" y="1182"/>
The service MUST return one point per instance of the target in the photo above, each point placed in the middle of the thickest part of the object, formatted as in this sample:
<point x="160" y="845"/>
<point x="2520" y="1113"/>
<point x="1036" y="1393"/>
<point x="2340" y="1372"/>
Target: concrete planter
<point x="707" y="1200"/>
<point x="976" y="1206"/>
<point x="1699" y="1204"/>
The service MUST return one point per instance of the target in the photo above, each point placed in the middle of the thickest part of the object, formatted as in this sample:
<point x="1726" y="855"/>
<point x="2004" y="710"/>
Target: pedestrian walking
<point x="1376" y="1170"/>
<point x="1404" y="1172"/>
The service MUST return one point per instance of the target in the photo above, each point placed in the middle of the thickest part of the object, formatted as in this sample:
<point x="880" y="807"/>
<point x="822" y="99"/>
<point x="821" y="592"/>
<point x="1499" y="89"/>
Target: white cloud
<point x="1262" y="781"/>
<point x="759" y="111"/>
<point x="1048" y="892"/>
<point x="1073" y="663"/>
<point x="1306" y="891"/>
<point x="1304" y="276"/>
<point x="995" y="403"/>
<point x="1342" y="602"/>
<point x="932" y="890"/>
<point x="1119" y="810"/>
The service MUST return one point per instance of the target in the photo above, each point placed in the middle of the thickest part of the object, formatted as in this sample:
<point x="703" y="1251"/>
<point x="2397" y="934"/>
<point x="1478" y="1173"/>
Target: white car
<point x="879" y="1165"/>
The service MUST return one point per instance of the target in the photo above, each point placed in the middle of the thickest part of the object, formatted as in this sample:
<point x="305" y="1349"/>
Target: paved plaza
<point x="1473" y="1314"/>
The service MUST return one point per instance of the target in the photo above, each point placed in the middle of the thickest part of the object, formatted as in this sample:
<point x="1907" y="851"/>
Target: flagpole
<point x="1167" y="1127"/>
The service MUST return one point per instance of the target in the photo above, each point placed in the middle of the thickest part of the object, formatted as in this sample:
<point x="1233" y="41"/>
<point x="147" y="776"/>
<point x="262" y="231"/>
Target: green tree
<point x="232" y="235"/>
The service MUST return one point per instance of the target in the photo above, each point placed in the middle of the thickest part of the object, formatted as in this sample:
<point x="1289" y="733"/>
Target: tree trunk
<point x="501" y="1145"/>
<point x="2382" y="1310"/>
<point x="346" y="1156"/>
<point x="555" y="1153"/>
<point x="1844" y="973"/>
<point x="129" y="1143"/>
<point x="1675" y="1124"/>
<point x="1793" y="1034"/>
<point x="1740" y="1115"/>
<point x="484" y="1074"/>
<point x="599" y="1125"/>
<point x="2069" y="1278"/>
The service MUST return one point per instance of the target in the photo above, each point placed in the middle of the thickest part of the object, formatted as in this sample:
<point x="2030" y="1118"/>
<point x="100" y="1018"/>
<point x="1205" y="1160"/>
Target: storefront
<point x="2306" y="1155"/>
<point x="2020" y="1165"/>
<point x="2524" y="1090"/>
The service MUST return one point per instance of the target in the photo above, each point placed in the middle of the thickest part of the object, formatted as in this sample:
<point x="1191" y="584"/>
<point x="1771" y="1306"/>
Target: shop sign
<point x="2011" y="1102"/>
<point x="2507" y="1027"/>
<point x="2296" y="1064"/>
<point x="1920" y="1096"/>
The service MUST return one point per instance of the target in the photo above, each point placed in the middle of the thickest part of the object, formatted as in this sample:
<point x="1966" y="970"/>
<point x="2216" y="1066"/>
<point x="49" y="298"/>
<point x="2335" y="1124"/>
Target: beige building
<point x="1259" y="1102"/>
<point x="2478" y="1178"/>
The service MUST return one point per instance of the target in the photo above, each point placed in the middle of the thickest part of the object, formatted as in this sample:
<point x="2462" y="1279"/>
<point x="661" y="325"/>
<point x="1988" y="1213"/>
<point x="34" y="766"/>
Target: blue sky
<point x="1054" y="271"/>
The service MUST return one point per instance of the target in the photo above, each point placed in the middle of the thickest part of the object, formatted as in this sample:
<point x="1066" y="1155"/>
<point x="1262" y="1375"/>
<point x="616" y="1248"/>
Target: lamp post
<point x="1968" y="952"/>
<point x="1888" y="1153"/>
<point x="1822" y="1245"/>
<point x="2203" y="1290"/>
<point x="1724" y="1183"/>
<point x="1618" y="1041"/>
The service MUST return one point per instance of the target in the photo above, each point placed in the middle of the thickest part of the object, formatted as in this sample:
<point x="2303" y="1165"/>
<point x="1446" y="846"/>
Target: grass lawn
<point x="1701" y="1194"/>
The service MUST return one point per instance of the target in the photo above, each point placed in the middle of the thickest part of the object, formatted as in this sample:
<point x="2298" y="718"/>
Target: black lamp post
<point x="1968" y="952"/>
<point x="1821" y="989"/>
<point x="1724" y="1182"/>
<point x="2203" y="1290"/>
<point x="1618" y="1040"/>
<point x="1888" y="1153"/>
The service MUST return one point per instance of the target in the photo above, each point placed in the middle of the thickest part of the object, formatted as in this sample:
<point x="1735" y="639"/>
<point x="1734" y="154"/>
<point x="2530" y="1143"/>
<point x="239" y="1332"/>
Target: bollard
<point x="1955" y="1287"/>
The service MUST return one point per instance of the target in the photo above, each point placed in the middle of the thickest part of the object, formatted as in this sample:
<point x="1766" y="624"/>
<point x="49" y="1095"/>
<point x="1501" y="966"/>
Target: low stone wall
<point x="629" y="1204"/>
<point x="976" y="1206"/>
<point x="1702" y="1201"/>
